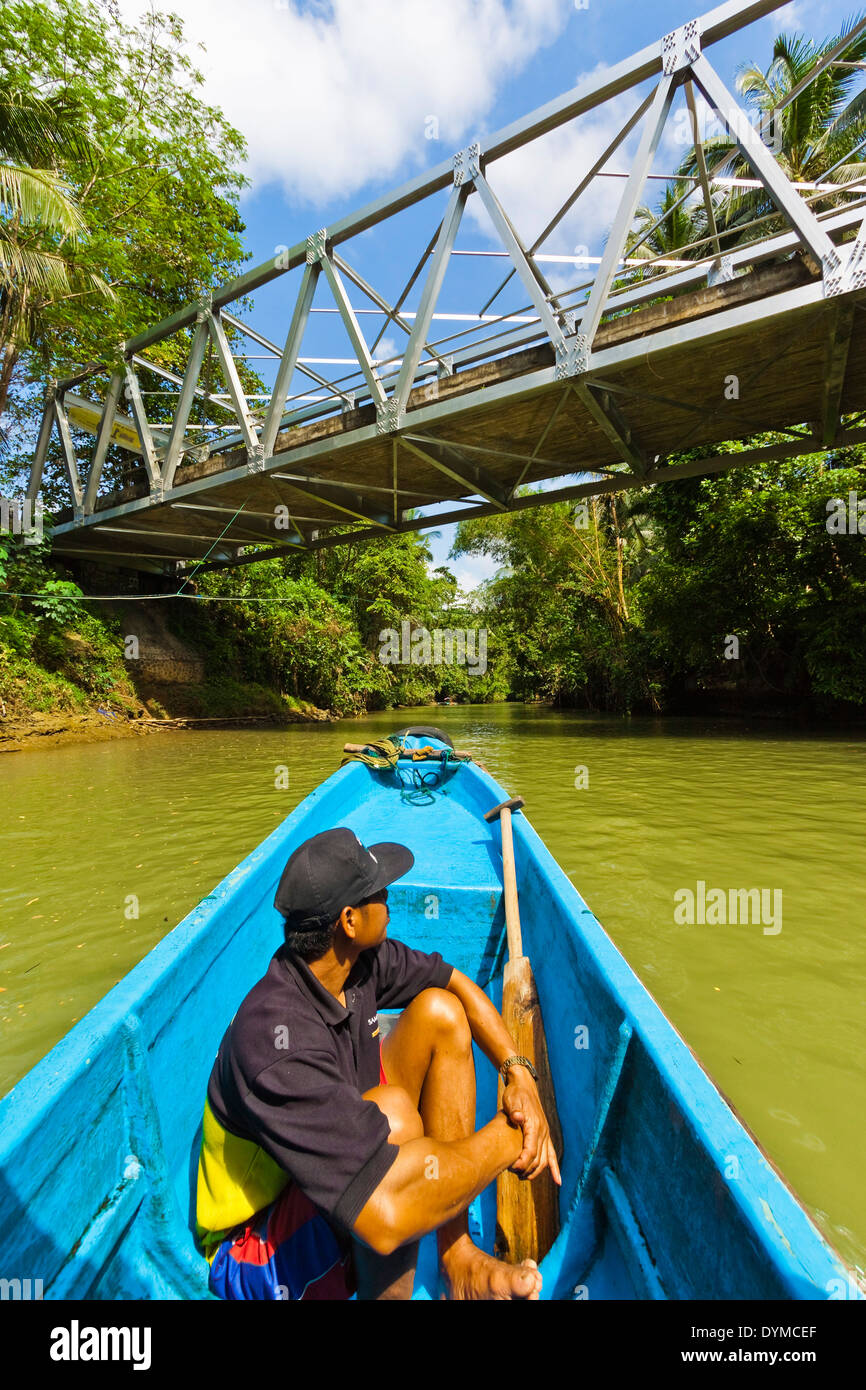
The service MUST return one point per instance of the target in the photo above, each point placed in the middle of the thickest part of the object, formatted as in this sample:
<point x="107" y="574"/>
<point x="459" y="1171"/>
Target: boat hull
<point x="665" y="1194"/>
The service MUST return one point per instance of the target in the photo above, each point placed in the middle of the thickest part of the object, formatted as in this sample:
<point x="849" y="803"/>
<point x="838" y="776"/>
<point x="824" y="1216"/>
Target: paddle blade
<point x="527" y="1213"/>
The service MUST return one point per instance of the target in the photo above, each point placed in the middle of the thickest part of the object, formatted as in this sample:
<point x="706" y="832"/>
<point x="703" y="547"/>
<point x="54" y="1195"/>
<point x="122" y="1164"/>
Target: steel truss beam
<point x="613" y="424"/>
<point x="533" y="457"/>
<point x="435" y="413"/>
<point x="591" y="316"/>
<point x="185" y="536"/>
<point x="232" y="511"/>
<point x="714" y="26"/>
<point x="702" y="172"/>
<point x="103" y="439"/>
<point x="352" y="486"/>
<point x="166" y="375"/>
<point x="303" y="367"/>
<point x="392" y="314"/>
<point x="468" y="475"/>
<point x="533" y="282"/>
<point x="44" y="438"/>
<point x="786" y="198"/>
<point x="289" y="359"/>
<point x="435" y="276"/>
<point x="463" y="447"/>
<point x="617" y="482"/>
<point x="752" y="255"/>
<point x="352" y="503"/>
<point x="133" y="392"/>
<point x="581" y="187"/>
<point x="187" y="396"/>
<point x="257" y="529"/>
<point x="679" y="59"/>
<point x="92" y="552"/>
<point x="236" y="391"/>
<point x="353" y="328"/>
<point x="68" y="451"/>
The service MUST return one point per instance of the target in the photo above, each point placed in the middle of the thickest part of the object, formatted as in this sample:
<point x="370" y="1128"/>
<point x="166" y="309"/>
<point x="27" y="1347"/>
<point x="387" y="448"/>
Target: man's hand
<point x="521" y="1103"/>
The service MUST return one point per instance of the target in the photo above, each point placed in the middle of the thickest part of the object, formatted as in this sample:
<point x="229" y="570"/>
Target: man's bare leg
<point x="428" y="1054"/>
<point x="390" y="1277"/>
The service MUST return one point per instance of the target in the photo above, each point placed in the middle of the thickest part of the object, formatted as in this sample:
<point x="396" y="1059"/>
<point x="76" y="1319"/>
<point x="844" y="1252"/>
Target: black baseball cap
<point x="334" y="870"/>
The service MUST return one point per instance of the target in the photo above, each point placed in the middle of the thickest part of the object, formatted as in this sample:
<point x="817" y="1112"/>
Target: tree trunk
<point x="623" y="607"/>
<point x="9" y="363"/>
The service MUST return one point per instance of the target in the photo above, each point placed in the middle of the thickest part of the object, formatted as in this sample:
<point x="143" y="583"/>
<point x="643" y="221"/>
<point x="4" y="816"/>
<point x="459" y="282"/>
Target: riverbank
<point x="55" y="729"/>
<point x="70" y="676"/>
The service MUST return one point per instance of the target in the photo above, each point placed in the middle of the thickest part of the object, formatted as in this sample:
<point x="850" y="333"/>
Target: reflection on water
<point x="107" y="846"/>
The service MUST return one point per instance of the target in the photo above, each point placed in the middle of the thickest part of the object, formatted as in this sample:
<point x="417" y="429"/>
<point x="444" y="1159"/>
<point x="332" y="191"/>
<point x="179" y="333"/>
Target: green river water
<point x="776" y="1016"/>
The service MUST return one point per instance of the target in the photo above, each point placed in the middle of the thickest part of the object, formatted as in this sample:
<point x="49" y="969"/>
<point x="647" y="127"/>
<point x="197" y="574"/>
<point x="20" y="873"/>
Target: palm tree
<point x="815" y="138"/>
<point x="40" y="224"/>
<point x="680" y="223"/>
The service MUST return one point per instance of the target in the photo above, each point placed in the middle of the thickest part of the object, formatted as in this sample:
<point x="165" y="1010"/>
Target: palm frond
<point x="37" y="197"/>
<point x="751" y="82"/>
<point x="851" y="121"/>
<point x="45" y="274"/>
<point x="44" y="131"/>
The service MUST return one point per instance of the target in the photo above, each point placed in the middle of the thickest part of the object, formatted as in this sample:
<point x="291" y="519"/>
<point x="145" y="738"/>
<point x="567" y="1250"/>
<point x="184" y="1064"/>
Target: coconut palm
<point x="34" y="134"/>
<point x="40" y="224"/>
<point x="681" y="221"/>
<point x="814" y="139"/>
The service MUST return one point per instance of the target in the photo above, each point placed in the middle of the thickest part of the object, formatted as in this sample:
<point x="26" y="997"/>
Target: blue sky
<point x="341" y="100"/>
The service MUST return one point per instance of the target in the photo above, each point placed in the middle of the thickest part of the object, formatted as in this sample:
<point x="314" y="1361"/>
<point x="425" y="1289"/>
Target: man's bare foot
<point x="469" y="1273"/>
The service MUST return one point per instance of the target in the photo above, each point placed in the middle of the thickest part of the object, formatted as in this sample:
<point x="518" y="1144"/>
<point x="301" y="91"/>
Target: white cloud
<point x="534" y="181"/>
<point x="788" y="19"/>
<point x="469" y="577"/>
<point x="387" y="349"/>
<point x="337" y="94"/>
<point x="468" y="570"/>
<point x="818" y="19"/>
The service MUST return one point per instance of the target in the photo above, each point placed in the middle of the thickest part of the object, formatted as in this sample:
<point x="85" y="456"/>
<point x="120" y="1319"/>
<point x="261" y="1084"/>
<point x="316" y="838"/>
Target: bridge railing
<point x="567" y="319"/>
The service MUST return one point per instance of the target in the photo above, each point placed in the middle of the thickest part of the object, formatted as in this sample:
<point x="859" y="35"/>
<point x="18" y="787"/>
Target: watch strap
<point x="518" y="1061"/>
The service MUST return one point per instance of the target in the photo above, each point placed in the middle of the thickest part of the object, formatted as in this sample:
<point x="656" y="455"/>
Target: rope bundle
<point x="383" y="754"/>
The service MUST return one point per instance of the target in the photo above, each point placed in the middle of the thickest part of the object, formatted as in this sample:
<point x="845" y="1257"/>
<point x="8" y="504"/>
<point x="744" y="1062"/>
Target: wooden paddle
<point x="527" y="1213"/>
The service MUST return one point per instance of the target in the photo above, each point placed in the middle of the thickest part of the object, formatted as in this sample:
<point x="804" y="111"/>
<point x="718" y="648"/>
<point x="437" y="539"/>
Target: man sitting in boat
<point x="328" y="1150"/>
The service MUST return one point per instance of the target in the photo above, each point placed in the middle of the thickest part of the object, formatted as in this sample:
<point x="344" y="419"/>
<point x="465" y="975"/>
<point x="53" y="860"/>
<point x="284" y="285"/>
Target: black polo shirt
<point x="293" y="1063"/>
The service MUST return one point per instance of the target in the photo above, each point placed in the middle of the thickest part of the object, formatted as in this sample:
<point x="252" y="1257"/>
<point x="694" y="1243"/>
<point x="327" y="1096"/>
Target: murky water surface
<point x="95" y="833"/>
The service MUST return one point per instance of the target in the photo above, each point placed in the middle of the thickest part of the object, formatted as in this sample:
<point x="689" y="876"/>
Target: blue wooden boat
<point x="665" y="1194"/>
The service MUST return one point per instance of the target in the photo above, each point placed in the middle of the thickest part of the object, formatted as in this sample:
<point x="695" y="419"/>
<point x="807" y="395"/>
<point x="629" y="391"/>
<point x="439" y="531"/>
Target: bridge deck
<point x="665" y="367"/>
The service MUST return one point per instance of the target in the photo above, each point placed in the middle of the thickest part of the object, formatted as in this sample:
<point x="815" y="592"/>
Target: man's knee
<point x="444" y="1012"/>
<point x="396" y="1105"/>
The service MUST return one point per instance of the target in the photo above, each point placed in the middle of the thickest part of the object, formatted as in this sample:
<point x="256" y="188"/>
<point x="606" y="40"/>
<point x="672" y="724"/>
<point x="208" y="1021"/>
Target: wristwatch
<point x="518" y="1061"/>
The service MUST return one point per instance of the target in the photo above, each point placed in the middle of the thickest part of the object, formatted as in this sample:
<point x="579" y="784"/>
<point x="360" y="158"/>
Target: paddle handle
<point x="509" y="884"/>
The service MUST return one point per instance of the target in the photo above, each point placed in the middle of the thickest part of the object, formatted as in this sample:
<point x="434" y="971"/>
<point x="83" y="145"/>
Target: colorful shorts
<point x="287" y="1251"/>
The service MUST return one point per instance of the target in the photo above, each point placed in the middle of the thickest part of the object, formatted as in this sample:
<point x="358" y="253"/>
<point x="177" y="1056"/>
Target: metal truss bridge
<point x="605" y="379"/>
